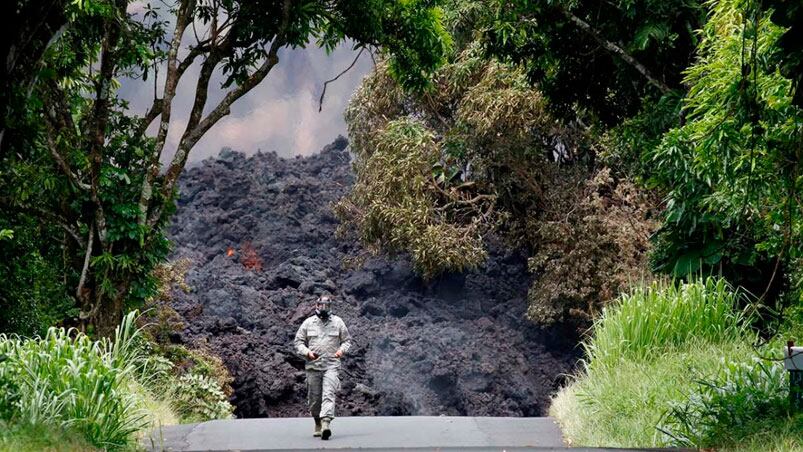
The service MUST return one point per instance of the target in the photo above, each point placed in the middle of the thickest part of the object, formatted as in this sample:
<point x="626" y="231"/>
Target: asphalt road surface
<point x="413" y="433"/>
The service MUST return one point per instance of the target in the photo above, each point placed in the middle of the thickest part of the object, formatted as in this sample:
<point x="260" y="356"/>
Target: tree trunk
<point x="104" y="311"/>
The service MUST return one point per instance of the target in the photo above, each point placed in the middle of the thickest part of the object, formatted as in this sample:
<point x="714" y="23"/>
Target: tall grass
<point x="672" y="364"/>
<point x="621" y="406"/>
<point x="70" y="382"/>
<point x="664" y="314"/>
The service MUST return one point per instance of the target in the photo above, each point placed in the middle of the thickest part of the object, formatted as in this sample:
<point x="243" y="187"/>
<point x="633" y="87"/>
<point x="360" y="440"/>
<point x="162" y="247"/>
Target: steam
<point x="280" y="114"/>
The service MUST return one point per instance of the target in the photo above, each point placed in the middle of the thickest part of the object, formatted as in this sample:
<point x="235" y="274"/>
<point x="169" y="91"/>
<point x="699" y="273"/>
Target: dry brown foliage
<point x="480" y="154"/>
<point x="590" y="245"/>
<point x="394" y="203"/>
<point x="159" y="319"/>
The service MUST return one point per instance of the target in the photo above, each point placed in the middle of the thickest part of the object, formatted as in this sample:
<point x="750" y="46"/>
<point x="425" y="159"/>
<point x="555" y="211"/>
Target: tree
<point x="100" y="173"/>
<point x="732" y="171"/>
<point x="692" y="111"/>
<point x="438" y="173"/>
<point x="598" y="60"/>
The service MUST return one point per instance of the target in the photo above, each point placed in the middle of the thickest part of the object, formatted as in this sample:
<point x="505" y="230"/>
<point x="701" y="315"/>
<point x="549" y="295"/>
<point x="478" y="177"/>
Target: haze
<point x="281" y="114"/>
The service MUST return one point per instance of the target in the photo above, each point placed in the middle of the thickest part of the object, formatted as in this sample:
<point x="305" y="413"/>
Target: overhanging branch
<point x="196" y="130"/>
<point x="618" y="51"/>
<point x="326" y="83"/>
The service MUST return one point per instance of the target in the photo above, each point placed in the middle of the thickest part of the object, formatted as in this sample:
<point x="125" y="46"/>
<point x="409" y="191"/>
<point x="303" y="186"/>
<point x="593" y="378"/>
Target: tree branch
<point x="65" y="167"/>
<point x="60" y="111"/>
<point x="196" y="130"/>
<point x="323" y="93"/>
<point x="45" y="216"/>
<point x="87" y="255"/>
<point x="150" y="115"/>
<point x="617" y="51"/>
<point x="171" y="79"/>
<point x="58" y="118"/>
<point x="156" y="107"/>
<point x="171" y="82"/>
<point x="202" y="90"/>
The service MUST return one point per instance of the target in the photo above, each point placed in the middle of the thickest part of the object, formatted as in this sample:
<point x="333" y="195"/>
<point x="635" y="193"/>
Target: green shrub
<point x="196" y="383"/>
<point x="741" y="400"/>
<point x="661" y="315"/>
<point x="157" y="372"/>
<point x="199" y="398"/>
<point x="70" y="382"/>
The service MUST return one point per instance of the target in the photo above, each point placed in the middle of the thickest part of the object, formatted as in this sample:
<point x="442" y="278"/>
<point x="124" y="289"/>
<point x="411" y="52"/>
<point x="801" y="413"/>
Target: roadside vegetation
<point x="662" y="140"/>
<point x="674" y="364"/>
<point x="66" y="391"/>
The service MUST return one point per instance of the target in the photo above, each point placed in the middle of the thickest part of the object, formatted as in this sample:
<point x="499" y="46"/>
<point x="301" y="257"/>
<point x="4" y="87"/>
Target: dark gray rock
<point x="457" y="345"/>
<point x="398" y="311"/>
<point x="360" y="284"/>
<point x="372" y="309"/>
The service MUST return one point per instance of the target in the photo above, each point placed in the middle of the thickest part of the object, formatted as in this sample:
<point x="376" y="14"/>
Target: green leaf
<point x="687" y="264"/>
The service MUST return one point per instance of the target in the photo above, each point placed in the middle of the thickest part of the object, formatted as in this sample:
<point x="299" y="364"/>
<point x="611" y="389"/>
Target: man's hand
<point x="339" y="354"/>
<point x="311" y="355"/>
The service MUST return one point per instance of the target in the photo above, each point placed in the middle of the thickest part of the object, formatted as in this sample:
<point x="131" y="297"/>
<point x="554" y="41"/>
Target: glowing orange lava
<point x="250" y="258"/>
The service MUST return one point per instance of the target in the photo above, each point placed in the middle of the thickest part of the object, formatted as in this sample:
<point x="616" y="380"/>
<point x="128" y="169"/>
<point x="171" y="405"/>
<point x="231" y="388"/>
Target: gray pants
<point x="322" y="386"/>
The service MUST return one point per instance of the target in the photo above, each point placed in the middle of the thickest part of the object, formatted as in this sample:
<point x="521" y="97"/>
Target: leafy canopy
<point x="732" y="170"/>
<point x="597" y="60"/>
<point x="83" y="188"/>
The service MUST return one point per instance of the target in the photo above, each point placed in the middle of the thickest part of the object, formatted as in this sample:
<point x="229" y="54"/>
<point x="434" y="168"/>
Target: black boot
<point x="326" y="432"/>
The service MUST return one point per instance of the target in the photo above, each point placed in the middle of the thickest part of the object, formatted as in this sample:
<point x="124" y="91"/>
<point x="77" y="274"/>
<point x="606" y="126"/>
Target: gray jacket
<point x="324" y="339"/>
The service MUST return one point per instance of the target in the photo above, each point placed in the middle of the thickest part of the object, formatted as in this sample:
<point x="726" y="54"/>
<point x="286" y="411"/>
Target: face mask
<point x="322" y="313"/>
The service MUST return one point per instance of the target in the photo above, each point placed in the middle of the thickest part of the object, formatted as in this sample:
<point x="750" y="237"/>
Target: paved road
<point x="364" y="433"/>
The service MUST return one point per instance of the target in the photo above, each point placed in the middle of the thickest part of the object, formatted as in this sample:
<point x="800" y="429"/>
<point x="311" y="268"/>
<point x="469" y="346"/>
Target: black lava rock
<point x="261" y="236"/>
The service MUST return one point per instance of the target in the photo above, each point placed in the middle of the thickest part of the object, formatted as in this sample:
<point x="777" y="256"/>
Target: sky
<point x="280" y="114"/>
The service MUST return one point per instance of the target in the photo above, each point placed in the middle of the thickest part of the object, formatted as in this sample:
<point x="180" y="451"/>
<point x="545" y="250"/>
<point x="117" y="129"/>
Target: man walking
<point x="322" y="339"/>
